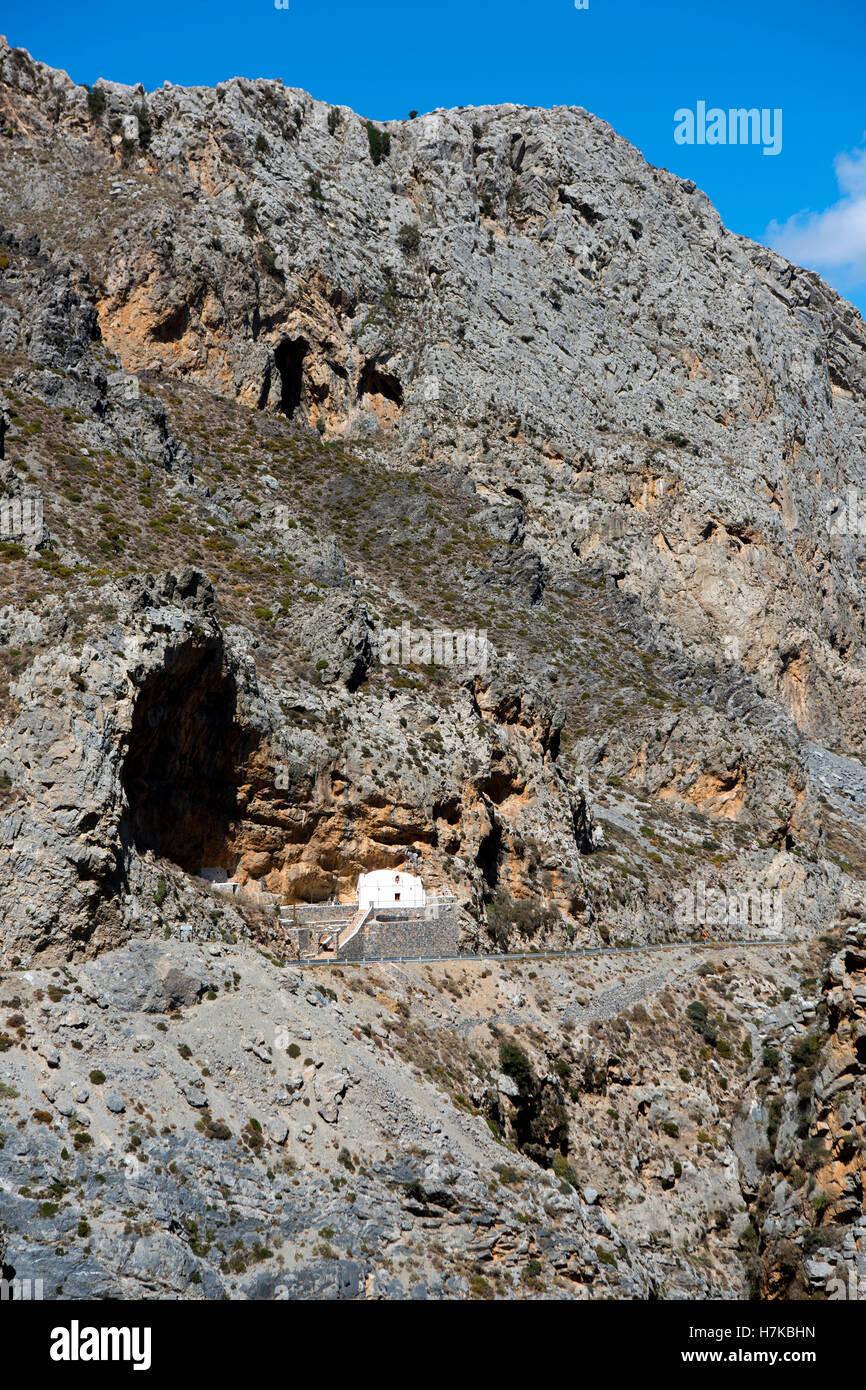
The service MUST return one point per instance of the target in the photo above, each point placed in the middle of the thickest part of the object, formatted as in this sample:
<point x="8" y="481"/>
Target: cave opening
<point x="185" y="759"/>
<point x="289" y="361"/>
<point x="172" y="325"/>
<point x="373" y="382"/>
<point x="488" y="856"/>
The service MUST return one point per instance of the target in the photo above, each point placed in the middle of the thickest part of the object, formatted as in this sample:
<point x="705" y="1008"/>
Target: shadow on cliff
<point x="185" y="759"/>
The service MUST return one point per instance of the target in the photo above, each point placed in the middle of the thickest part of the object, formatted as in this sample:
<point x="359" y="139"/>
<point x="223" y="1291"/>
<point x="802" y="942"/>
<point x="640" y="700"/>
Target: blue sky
<point x="633" y="63"/>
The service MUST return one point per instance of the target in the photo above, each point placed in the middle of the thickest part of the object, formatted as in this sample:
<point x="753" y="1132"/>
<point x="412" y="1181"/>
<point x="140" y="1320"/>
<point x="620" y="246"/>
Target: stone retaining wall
<point x="390" y="935"/>
<point x="308" y="914"/>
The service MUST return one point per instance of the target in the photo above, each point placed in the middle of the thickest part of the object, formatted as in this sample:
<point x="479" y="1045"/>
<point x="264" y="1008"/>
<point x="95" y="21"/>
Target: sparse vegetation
<point x="409" y="239"/>
<point x="379" y="142"/>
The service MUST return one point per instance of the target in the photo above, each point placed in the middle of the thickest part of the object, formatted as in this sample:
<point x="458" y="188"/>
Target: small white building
<point x="390" y="888"/>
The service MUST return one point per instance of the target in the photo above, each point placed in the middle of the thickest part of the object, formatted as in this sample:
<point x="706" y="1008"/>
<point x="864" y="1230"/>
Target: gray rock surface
<point x="279" y="400"/>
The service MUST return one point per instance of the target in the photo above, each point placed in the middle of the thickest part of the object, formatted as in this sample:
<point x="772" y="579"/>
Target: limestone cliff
<point x="284" y="396"/>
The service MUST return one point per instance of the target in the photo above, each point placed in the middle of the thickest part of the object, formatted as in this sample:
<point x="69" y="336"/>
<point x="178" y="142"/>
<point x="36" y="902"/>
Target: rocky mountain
<point x="285" y="395"/>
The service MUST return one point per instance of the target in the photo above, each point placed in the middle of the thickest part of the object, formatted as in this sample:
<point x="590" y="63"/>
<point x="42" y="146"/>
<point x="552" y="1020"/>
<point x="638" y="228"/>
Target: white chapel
<point x="390" y="888"/>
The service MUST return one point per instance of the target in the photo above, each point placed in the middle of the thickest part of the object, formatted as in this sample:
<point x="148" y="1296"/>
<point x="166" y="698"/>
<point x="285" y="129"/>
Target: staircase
<point x="361" y="918"/>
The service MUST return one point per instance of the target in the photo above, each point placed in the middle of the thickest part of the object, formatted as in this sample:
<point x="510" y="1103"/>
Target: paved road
<point x="765" y="943"/>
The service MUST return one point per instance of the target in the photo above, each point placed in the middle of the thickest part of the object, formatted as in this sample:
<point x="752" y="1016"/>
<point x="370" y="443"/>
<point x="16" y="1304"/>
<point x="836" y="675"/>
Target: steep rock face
<point x="342" y="763"/>
<point x="510" y="289"/>
<point x="801" y="1132"/>
<point x="305" y="413"/>
<point x="448" y="418"/>
<point x="170" y="748"/>
<point x="285" y="745"/>
<point x="78" y="798"/>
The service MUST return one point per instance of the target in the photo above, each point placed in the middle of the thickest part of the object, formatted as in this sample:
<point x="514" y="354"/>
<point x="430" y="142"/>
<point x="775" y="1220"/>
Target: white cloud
<point x="836" y="237"/>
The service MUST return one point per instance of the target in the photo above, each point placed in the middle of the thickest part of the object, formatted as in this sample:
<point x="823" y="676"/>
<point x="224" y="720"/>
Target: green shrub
<point x="700" y="1020"/>
<point x="379" y="142"/>
<point x="252" y="1133"/>
<point x="515" y="1063"/>
<point x="479" y="1287"/>
<point x="504" y="913"/>
<point x="268" y="258"/>
<point x="217" y="1129"/>
<point x="145" y="128"/>
<point x="508" y="1174"/>
<point x="97" y="1078"/>
<point x="409" y="239"/>
<point x="805" y="1051"/>
<point x="96" y="101"/>
<point x="564" y="1171"/>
